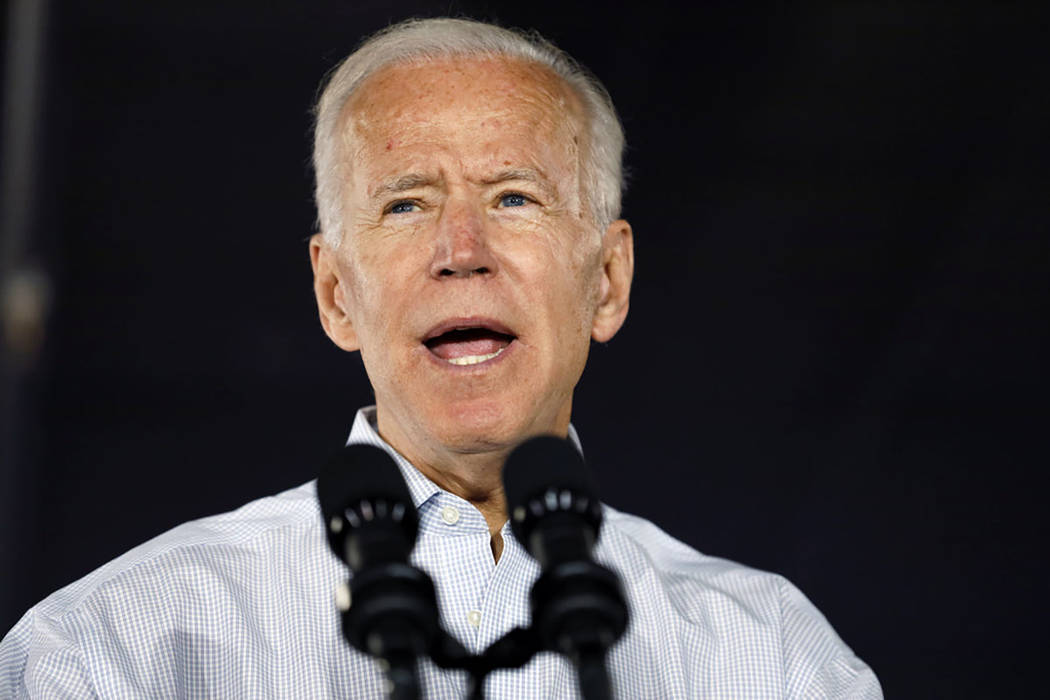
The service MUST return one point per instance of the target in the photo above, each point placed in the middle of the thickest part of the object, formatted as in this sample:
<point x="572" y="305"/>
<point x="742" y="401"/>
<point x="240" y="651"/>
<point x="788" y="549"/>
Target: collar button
<point x="450" y="515"/>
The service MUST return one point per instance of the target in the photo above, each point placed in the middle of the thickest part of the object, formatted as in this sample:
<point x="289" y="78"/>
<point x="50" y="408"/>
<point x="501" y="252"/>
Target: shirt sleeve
<point x="845" y="677"/>
<point x="818" y="664"/>
<point x="38" y="659"/>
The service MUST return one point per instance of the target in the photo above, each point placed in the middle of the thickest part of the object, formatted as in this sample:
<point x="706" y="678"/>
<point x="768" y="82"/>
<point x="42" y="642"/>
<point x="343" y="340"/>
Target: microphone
<point x="578" y="606"/>
<point x="390" y="609"/>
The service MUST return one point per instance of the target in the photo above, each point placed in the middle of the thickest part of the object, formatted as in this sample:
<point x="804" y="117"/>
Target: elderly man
<point x="468" y="187"/>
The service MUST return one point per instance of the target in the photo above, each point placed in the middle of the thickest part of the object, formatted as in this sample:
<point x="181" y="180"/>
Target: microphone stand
<point x="578" y="610"/>
<point x="393" y="617"/>
<point x="391" y="613"/>
<point x="585" y="646"/>
<point x="559" y="626"/>
<point x="513" y="650"/>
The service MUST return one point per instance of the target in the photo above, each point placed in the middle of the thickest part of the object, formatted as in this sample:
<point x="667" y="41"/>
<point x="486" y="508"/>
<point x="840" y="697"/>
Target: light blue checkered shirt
<point x="241" y="605"/>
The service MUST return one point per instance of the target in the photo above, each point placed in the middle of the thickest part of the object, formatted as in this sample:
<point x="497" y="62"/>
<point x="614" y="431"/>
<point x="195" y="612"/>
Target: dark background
<point x="833" y="366"/>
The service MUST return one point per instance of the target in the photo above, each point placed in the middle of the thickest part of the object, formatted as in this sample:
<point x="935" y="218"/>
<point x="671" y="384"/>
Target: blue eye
<point x="513" y="200"/>
<point x="403" y="207"/>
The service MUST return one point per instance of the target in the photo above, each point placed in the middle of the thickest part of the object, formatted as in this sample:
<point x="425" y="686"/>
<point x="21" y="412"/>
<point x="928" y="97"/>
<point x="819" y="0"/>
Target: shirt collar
<point x="364" y="431"/>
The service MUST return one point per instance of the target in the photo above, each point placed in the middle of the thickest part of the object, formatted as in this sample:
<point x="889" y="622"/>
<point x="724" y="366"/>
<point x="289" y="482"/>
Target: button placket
<point x="508" y="583"/>
<point x="466" y="538"/>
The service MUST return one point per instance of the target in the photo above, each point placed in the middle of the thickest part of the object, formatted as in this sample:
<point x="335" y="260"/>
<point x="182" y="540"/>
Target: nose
<point x="461" y="248"/>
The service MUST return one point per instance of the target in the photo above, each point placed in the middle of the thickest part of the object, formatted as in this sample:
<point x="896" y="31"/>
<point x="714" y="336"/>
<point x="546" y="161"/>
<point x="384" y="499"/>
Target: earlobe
<point x="615" y="286"/>
<point x="331" y="302"/>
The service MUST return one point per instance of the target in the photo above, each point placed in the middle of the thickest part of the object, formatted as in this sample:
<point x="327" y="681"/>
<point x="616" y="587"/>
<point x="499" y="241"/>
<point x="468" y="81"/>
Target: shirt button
<point x="450" y="515"/>
<point x="474" y="618"/>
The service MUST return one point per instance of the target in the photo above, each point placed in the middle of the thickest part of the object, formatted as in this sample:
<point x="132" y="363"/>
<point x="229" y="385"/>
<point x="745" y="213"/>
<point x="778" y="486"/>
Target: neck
<point x="478" y="481"/>
<point x="474" y="477"/>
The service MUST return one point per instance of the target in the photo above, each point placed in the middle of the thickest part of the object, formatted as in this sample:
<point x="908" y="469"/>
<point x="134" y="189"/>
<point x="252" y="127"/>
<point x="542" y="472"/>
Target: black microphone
<point x="578" y="606"/>
<point x="391" y="612"/>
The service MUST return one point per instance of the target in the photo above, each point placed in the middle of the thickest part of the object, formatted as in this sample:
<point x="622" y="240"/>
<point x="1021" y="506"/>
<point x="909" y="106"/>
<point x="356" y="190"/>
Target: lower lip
<point x="480" y="366"/>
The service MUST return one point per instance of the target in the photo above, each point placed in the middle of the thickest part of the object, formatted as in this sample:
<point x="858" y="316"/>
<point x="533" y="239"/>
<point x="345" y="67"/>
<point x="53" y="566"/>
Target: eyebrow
<point x="403" y="184"/>
<point x="527" y="174"/>
<point x="411" y="181"/>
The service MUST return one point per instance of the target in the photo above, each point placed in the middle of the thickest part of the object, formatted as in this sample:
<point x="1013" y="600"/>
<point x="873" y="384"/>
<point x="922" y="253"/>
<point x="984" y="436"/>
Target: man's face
<point x="470" y="274"/>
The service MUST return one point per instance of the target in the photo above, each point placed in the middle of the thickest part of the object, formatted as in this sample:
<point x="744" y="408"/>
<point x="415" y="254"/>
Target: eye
<point x="513" y="199"/>
<point x="403" y="206"/>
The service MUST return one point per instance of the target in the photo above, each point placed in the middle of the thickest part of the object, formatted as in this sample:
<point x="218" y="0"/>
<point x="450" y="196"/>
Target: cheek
<point x="572" y="284"/>
<point x="584" y="272"/>
<point x="363" y="295"/>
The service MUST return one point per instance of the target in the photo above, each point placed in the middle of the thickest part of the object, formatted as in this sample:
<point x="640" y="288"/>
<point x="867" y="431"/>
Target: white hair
<point x="442" y="38"/>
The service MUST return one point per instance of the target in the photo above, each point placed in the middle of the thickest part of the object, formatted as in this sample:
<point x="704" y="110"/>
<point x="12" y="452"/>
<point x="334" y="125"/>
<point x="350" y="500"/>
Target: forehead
<point x="460" y="97"/>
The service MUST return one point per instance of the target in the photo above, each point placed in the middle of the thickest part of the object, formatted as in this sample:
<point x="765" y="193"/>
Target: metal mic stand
<point x="391" y="614"/>
<point x="585" y="639"/>
<point x="513" y="650"/>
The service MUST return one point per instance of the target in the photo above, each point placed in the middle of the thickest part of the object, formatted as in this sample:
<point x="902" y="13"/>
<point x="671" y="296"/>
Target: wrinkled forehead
<point x="526" y="94"/>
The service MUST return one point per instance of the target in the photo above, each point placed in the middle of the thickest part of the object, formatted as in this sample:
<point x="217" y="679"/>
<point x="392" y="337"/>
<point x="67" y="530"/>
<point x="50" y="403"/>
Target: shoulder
<point x="743" y="621"/>
<point x="127" y="608"/>
<point x="692" y="580"/>
<point x="217" y="540"/>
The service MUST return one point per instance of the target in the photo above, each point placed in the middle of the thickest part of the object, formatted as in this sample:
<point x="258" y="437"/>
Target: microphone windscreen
<point x="541" y="463"/>
<point x="358" y="472"/>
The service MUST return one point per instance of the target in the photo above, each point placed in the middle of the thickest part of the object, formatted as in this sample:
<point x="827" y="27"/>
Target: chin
<point x="481" y="426"/>
<point x="478" y="426"/>
<point x="476" y="430"/>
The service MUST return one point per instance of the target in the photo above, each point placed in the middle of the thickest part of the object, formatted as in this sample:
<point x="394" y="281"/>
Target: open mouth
<point x="469" y="345"/>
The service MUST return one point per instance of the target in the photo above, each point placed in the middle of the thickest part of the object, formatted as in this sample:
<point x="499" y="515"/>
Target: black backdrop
<point x="832" y="367"/>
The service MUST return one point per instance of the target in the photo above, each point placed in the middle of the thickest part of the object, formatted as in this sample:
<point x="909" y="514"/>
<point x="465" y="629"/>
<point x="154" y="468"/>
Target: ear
<point x="617" y="273"/>
<point x="331" y="301"/>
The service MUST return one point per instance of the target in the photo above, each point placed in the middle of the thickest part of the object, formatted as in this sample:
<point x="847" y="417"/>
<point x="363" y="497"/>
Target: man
<point x="468" y="185"/>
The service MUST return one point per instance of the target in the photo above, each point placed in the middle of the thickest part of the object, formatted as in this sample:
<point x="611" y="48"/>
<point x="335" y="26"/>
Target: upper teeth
<point x="473" y="359"/>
